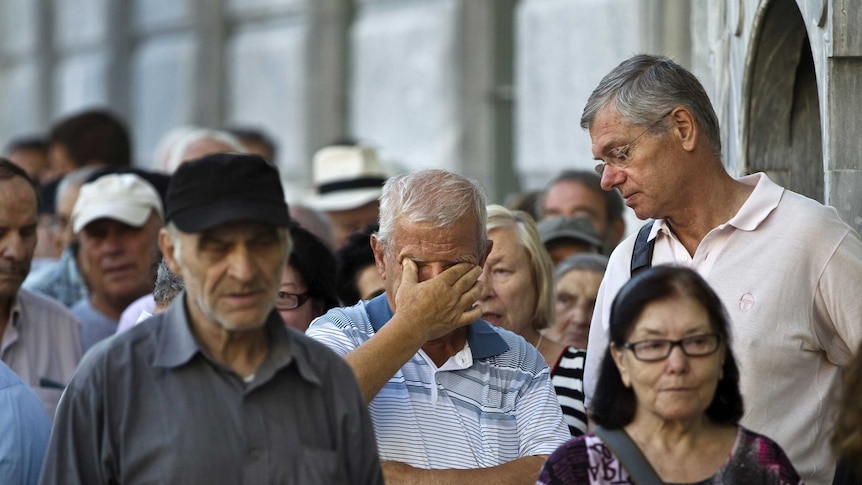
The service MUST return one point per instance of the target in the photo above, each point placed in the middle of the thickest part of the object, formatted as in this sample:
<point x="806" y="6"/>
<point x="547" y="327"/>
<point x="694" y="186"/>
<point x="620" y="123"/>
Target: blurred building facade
<point x="492" y="89"/>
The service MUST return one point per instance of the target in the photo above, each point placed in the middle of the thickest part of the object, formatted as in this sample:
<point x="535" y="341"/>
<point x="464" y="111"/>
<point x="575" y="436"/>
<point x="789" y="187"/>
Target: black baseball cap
<point x="225" y="187"/>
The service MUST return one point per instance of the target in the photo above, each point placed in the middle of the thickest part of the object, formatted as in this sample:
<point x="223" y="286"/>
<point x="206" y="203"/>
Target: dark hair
<point x="254" y="135"/>
<point x="613" y="403"/>
<point x="93" y="136"/>
<point x="352" y="257"/>
<point x="27" y="143"/>
<point x="9" y="170"/>
<point x="591" y="180"/>
<point x="316" y="264"/>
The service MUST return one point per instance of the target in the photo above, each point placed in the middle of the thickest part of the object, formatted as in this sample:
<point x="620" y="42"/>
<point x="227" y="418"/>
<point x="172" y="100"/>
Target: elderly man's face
<point x="120" y="260"/>
<point x="433" y="250"/>
<point x="232" y="272"/>
<point x="17" y="233"/>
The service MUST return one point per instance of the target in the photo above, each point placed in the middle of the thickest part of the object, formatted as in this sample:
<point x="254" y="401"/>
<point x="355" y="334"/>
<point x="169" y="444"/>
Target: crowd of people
<point x="182" y="324"/>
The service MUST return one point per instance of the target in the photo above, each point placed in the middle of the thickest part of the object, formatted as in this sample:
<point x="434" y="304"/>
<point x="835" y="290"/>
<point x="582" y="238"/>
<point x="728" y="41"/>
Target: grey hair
<point x="644" y="87"/>
<point x="168" y="285"/>
<point x="177" y="156"/>
<point x="596" y="263"/>
<point x="434" y="197"/>
<point x="75" y="178"/>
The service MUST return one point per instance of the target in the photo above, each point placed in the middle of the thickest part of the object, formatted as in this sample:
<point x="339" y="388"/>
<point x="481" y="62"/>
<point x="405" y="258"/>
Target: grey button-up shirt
<point x="150" y="406"/>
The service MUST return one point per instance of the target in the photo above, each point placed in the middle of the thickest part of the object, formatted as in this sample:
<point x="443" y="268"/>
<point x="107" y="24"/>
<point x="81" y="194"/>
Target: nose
<point x="677" y="361"/>
<point x="13" y="247"/>
<point x="240" y="265"/>
<point x="611" y="177"/>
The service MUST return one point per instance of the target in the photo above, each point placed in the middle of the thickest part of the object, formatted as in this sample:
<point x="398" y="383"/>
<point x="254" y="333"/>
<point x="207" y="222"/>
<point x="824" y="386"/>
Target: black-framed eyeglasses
<point x="289" y="301"/>
<point x="619" y="157"/>
<point x="654" y="350"/>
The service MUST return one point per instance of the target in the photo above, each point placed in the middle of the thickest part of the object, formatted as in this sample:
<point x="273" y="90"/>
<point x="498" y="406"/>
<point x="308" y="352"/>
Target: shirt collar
<point x="760" y="203"/>
<point x="484" y="341"/>
<point x="176" y="344"/>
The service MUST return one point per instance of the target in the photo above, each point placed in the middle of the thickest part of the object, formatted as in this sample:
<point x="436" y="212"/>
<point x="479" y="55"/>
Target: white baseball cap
<point x="125" y="197"/>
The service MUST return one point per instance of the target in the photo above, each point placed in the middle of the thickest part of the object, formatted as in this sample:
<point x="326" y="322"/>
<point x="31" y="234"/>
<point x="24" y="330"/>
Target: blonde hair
<point x="541" y="266"/>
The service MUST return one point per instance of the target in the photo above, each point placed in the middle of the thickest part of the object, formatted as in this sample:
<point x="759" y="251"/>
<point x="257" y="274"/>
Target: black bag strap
<point x="642" y="253"/>
<point x="629" y="455"/>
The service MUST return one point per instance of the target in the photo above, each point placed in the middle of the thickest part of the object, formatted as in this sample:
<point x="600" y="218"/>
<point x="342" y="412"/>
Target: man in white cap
<point x="117" y="219"/>
<point x="348" y="180"/>
<point x="39" y="337"/>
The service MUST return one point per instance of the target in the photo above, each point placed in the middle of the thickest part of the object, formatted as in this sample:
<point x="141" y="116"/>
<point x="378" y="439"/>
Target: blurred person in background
<point x="198" y="143"/>
<point x="307" y="287"/>
<point x="357" y="277"/>
<point x="577" y="281"/>
<point x="117" y="219"/>
<point x="575" y="193"/>
<point x="567" y="236"/>
<point x="62" y="279"/>
<point x="31" y="154"/>
<point x="517" y="281"/>
<point x="255" y="141"/>
<point x="348" y="179"/>
<point x="518" y="295"/>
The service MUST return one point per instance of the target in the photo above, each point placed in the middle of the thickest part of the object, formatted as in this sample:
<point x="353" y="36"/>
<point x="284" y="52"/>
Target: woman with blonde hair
<point x="518" y="295"/>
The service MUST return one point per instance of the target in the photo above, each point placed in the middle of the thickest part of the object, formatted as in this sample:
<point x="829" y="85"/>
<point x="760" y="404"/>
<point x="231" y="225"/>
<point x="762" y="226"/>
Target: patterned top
<point x="59" y="279"/>
<point x="489" y="404"/>
<point x="568" y="380"/>
<point x="755" y="460"/>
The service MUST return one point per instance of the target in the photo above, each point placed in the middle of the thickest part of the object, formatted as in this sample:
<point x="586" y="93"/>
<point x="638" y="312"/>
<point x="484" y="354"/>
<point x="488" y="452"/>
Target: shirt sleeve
<point x="540" y="421"/>
<point x="77" y="451"/>
<point x="24" y="429"/>
<point x="336" y="333"/>
<point x="837" y="304"/>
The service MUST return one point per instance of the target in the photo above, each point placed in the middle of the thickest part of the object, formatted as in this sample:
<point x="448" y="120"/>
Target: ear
<point x="621" y="365"/>
<point x="379" y="258"/>
<point x="166" y="245"/>
<point x="685" y="128"/>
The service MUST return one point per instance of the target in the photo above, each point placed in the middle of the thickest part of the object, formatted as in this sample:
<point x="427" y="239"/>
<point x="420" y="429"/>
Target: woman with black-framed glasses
<point x="307" y="287"/>
<point x="668" y="389"/>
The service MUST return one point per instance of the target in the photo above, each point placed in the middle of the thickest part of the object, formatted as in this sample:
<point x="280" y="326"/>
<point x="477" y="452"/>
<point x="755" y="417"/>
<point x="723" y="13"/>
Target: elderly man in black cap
<point x="216" y="389"/>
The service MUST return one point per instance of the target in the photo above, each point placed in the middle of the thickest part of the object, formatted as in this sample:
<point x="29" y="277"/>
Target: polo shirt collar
<point x="484" y="341"/>
<point x="760" y="203"/>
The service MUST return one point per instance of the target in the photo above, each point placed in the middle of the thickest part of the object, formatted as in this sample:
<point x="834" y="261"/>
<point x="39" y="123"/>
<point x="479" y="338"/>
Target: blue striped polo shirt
<point x="489" y="404"/>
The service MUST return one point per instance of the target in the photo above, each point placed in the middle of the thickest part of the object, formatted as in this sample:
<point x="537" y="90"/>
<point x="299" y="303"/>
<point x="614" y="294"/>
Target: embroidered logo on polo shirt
<point x="746" y="302"/>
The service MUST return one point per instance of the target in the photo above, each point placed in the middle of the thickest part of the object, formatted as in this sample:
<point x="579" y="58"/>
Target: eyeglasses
<point x="659" y="349"/>
<point x="619" y="157"/>
<point x="289" y="301"/>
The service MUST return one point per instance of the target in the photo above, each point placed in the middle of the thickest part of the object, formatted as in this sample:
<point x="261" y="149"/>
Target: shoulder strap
<point x="629" y="455"/>
<point x="642" y="253"/>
